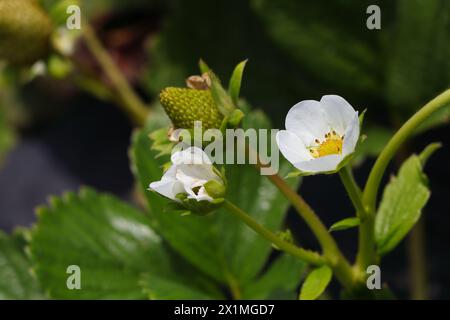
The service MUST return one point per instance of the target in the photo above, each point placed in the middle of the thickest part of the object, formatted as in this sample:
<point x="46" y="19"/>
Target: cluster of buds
<point x="191" y="181"/>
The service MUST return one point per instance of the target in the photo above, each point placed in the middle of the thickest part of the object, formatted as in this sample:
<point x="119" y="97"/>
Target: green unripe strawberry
<point x="24" y="31"/>
<point x="185" y="105"/>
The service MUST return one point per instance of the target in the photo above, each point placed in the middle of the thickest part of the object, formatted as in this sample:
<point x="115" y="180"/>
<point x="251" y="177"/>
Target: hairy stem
<point x="406" y="131"/>
<point x="302" y="254"/>
<point x="353" y="191"/>
<point x="129" y="100"/>
<point x="341" y="267"/>
<point x="417" y="262"/>
<point x="333" y="255"/>
<point x="366" y="251"/>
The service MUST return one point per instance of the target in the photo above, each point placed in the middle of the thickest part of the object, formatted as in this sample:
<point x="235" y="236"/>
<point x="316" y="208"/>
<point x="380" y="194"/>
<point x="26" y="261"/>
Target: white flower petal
<point x="191" y="155"/>
<point x="168" y="188"/>
<point x="322" y="164"/>
<point x="190" y="170"/>
<point x="307" y="120"/>
<point x="187" y="173"/>
<point x="194" y="176"/>
<point x="292" y="147"/>
<point x="351" y="136"/>
<point x="339" y="113"/>
<point x="201" y="195"/>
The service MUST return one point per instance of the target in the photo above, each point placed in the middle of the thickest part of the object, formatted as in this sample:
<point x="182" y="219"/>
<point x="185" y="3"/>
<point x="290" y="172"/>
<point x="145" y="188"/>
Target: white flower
<point x="319" y="135"/>
<point x="191" y="169"/>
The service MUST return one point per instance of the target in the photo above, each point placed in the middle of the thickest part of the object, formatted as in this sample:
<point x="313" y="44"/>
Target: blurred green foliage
<point x="303" y="49"/>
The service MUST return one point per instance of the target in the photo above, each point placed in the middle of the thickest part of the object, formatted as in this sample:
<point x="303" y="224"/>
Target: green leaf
<point x="111" y="242"/>
<point x="280" y="280"/>
<point x="218" y="244"/>
<point x="346" y="223"/>
<point x="16" y="279"/>
<point x="161" y="288"/>
<point x="316" y="282"/>
<point x="403" y="200"/>
<point x="235" y="81"/>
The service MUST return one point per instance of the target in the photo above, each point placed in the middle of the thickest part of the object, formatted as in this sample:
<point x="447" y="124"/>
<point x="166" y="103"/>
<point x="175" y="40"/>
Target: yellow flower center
<point x="331" y="145"/>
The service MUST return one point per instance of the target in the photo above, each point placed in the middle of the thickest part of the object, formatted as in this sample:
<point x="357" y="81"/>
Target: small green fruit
<point x="24" y="31"/>
<point x="184" y="106"/>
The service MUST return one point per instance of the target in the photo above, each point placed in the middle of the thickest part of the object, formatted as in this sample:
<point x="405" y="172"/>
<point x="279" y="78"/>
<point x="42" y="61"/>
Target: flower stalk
<point x="129" y="100"/>
<point x="366" y="251"/>
<point x="336" y="260"/>
<point x="353" y="191"/>
<point x="406" y="131"/>
<point x="302" y="254"/>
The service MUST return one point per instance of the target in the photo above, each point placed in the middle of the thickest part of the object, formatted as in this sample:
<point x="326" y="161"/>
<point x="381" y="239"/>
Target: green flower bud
<point x="184" y="106"/>
<point x="24" y="31"/>
<point x="192" y="182"/>
<point x="215" y="189"/>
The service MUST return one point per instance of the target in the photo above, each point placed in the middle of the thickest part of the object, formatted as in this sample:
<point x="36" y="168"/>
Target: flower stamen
<point x="331" y="145"/>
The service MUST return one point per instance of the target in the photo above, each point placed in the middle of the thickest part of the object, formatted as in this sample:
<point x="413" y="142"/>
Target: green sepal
<point x="361" y="117"/>
<point x="203" y="66"/>
<point x="235" y="118"/>
<point x="345" y="224"/>
<point x="298" y="173"/>
<point x="177" y="208"/>
<point x="203" y="207"/>
<point x="234" y="86"/>
<point x="161" y="143"/>
<point x="220" y="96"/>
<point x="197" y="207"/>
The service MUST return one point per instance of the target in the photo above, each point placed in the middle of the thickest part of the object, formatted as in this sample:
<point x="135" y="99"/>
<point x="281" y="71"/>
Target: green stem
<point x="303" y="209"/>
<point x="332" y="254"/>
<point x="233" y="285"/>
<point x="366" y="251"/>
<point x="366" y="245"/>
<point x="302" y="254"/>
<point x="326" y="241"/>
<point x="417" y="262"/>
<point x="376" y="174"/>
<point x="353" y="190"/>
<point x="129" y="101"/>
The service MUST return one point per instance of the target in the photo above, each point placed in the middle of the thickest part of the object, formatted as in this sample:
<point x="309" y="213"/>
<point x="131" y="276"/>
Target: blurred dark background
<point x="56" y="137"/>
